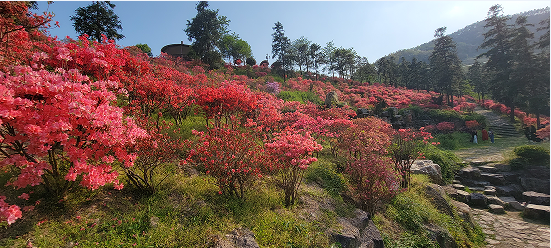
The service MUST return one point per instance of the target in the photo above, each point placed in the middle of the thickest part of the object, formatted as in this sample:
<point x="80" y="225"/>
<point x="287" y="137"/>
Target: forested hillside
<point x="469" y="38"/>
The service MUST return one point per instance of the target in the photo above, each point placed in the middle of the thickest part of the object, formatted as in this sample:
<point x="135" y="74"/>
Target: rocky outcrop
<point x="427" y="167"/>
<point x="238" y="238"/>
<point x="356" y="232"/>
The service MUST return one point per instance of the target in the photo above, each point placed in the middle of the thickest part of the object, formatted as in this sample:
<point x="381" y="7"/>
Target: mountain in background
<point x="469" y="38"/>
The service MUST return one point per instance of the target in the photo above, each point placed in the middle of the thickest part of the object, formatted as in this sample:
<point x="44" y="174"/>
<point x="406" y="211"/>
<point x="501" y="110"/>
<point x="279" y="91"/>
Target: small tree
<point x="406" y="147"/>
<point x="293" y="153"/>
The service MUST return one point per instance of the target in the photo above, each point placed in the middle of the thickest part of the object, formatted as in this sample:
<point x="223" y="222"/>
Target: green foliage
<point x="324" y="174"/>
<point x="481" y="119"/>
<point x="97" y="19"/>
<point x="439" y="115"/>
<point x="145" y="48"/>
<point x="455" y="140"/>
<point x="404" y="221"/>
<point x="532" y="154"/>
<point x="301" y="96"/>
<point x="448" y="161"/>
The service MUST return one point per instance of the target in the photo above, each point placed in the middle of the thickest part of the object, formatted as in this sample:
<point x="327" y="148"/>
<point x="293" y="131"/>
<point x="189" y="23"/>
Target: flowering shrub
<point x="445" y="127"/>
<point x="235" y="159"/>
<point x="292" y="153"/>
<point x="472" y="124"/>
<point x="56" y="129"/>
<point x="272" y="87"/>
<point x="406" y="147"/>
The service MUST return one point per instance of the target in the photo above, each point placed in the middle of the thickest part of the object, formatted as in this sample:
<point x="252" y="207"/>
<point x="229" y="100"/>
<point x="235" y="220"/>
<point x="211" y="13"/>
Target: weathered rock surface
<point x="496" y="209"/>
<point x="535" y="198"/>
<point x="427" y="167"/>
<point x="441" y="236"/>
<point x="436" y="195"/>
<point x="537" y="212"/>
<point x="478" y="200"/>
<point x="469" y="172"/>
<point x="356" y="232"/>
<point x="238" y="238"/>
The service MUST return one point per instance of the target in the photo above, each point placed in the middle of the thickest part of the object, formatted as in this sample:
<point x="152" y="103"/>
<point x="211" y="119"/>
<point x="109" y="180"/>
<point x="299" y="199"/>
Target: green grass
<point x="402" y="223"/>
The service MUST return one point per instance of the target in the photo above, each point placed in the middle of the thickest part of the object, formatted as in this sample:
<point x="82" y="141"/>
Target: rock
<point x="456" y="182"/>
<point x="511" y="203"/>
<point x="469" y="172"/>
<point x="496" y="201"/>
<point x="238" y="238"/>
<point x="495" y="179"/>
<point x="536" y="212"/>
<point x="458" y="186"/>
<point x="464" y="211"/>
<point x="331" y="99"/>
<point x="496" y="209"/>
<point x="536" y="198"/>
<point x="502" y="167"/>
<point x="511" y="177"/>
<point x="427" y="167"/>
<point x="371" y="237"/>
<point x="478" y="200"/>
<point x="535" y="184"/>
<point x="462" y="196"/>
<point x="441" y="236"/>
<point x="478" y="162"/>
<point x="436" y="195"/>
<point x="153" y="221"/>
<point x="488" y="169"/>
<point x="510" y="190"/>
<point x="490" y="192"/>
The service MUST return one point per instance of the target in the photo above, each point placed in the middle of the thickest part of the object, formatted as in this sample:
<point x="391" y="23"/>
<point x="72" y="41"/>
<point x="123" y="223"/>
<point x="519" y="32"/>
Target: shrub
<point x="532" y="154"/>
<point x="448" y="161"/>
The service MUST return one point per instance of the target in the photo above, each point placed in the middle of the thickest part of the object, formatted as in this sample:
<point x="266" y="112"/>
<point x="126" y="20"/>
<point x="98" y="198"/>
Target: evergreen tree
<point x="205" y="30"/>
<point x="316" y="57"/>
<point x="498" y="40"/>
<point x="445" y="65"/>
<point x="330" y="59"/>
<point x="281" y="47"/>
<point x="96" y="20"/>
<point x="475" y="77"/>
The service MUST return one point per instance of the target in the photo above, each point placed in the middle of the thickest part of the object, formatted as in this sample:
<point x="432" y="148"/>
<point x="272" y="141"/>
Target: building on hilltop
<point x="177" y="50"/>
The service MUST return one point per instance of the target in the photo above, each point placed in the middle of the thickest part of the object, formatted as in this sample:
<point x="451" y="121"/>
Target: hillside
<point x="469" y="38"/>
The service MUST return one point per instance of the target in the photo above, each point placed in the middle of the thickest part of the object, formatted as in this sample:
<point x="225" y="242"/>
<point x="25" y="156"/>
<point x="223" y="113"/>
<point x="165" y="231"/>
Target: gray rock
<point x="427" y="167"/>
<point x="510" y="190"/>
<point x="242" y="238"/>
<point x="495" y="179"/>
<point x="536" y="212"/>
<point x="490" y="192"/>
<point x="502" y="167"/>
<point x="469" y="172"/>
<point x="458" y="186"/>
<point x="462" y="196"/>
<point x="478" y="200"/>
<point x="436" y="194"/>
<point x="535" y="184"/>
<point x="348" y="235"/>
<point x="488" y="168"/>
<point x="441" y="236"/>
<point x="359" y="231"/>
<point x="496" y="201"/>
<point x="464" y="211"/>
<point x="371" y="237"/>
<point x="535" y="198"/>
<point x="496" y="209"/>
<point x="511" y="203"/>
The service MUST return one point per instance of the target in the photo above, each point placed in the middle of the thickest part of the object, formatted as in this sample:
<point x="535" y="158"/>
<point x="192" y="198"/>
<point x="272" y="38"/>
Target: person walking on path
<point x="491" y="134"/>
<point x="474" y="137"/>
<point x="484" y="135"/>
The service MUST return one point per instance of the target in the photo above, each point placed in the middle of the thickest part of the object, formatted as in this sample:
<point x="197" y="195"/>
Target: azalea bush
<point x="407" y="145"/>
<point x="292" y="153"/>
<point x="235" y="159"/>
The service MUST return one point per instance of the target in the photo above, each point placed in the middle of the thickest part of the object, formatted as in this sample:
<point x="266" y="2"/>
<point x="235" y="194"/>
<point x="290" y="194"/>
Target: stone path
<point x="504" y="231"/>
<point x="510" y="229"/>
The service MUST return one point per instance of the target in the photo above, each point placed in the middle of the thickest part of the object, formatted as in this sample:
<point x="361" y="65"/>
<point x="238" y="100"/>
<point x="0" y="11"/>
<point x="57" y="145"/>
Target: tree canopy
<point x="97" y="19"/>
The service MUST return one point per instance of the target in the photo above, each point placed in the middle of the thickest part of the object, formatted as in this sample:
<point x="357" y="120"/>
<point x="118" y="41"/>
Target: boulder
<point x="458" y="186"/>
<point x="511" y="203"/>
<point x="441" y="236"/>
<point x="462" y="196"/>
<point x="238" y="238"/>
<point x="535" y="198"/>
<point x="495" y="179"/>
<point x="510" y="190"/>
<point x="359" y="231"/>
<point x="502" y="167"/>
<point x="427" y="167"/>
<point x="536" y="212"/>
<point x="488" y="169"/>
<point x="496" y="201"/>
<point x="347" y="235"/>
<point x="496" y="209"/>
<point x="478" y="200"/>
<point x="371" y="237"/>
<point x="464" y="211"/>
<point x="469" y="172"/>
<point x="436" y="194"/>
<point x="535" y="184"/>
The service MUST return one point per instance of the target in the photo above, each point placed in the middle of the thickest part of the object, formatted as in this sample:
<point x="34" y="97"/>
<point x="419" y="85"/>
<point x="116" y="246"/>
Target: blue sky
<point x="373" y="28"/>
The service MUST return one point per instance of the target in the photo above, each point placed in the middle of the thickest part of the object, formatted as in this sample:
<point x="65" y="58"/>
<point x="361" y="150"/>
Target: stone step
<point x="535" y="198"/>
<point x="536" y="212"/>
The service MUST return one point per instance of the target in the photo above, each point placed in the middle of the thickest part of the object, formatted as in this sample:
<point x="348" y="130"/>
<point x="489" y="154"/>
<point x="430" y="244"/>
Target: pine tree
<point x="96" y="20"/>
<point x="445" y="65"/>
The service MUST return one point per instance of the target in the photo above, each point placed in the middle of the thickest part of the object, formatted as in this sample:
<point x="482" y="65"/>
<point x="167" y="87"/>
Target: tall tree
<point x="329" y="55"/>
<point x="97" y="19"/>
<point x="316" y="57"/>
<point x="404" y="72"/>
<point x="387" y="70"/>
<point x="365" y="71"/>
<point x="205" y="30"/>
<point x="499" y="65"/>
<point x="445" y="65"/>
<point x="281" y="47"/>
<point x="233" y="48"/>
<point x="475" y="77"/>
<point x="300" y="49"/>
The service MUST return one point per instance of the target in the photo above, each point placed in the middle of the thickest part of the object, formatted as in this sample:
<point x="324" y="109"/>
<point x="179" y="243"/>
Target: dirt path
<point x="510" y="229"/>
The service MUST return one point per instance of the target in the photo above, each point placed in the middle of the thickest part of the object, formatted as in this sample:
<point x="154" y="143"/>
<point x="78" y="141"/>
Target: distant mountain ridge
<point x="469" y="38"/>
